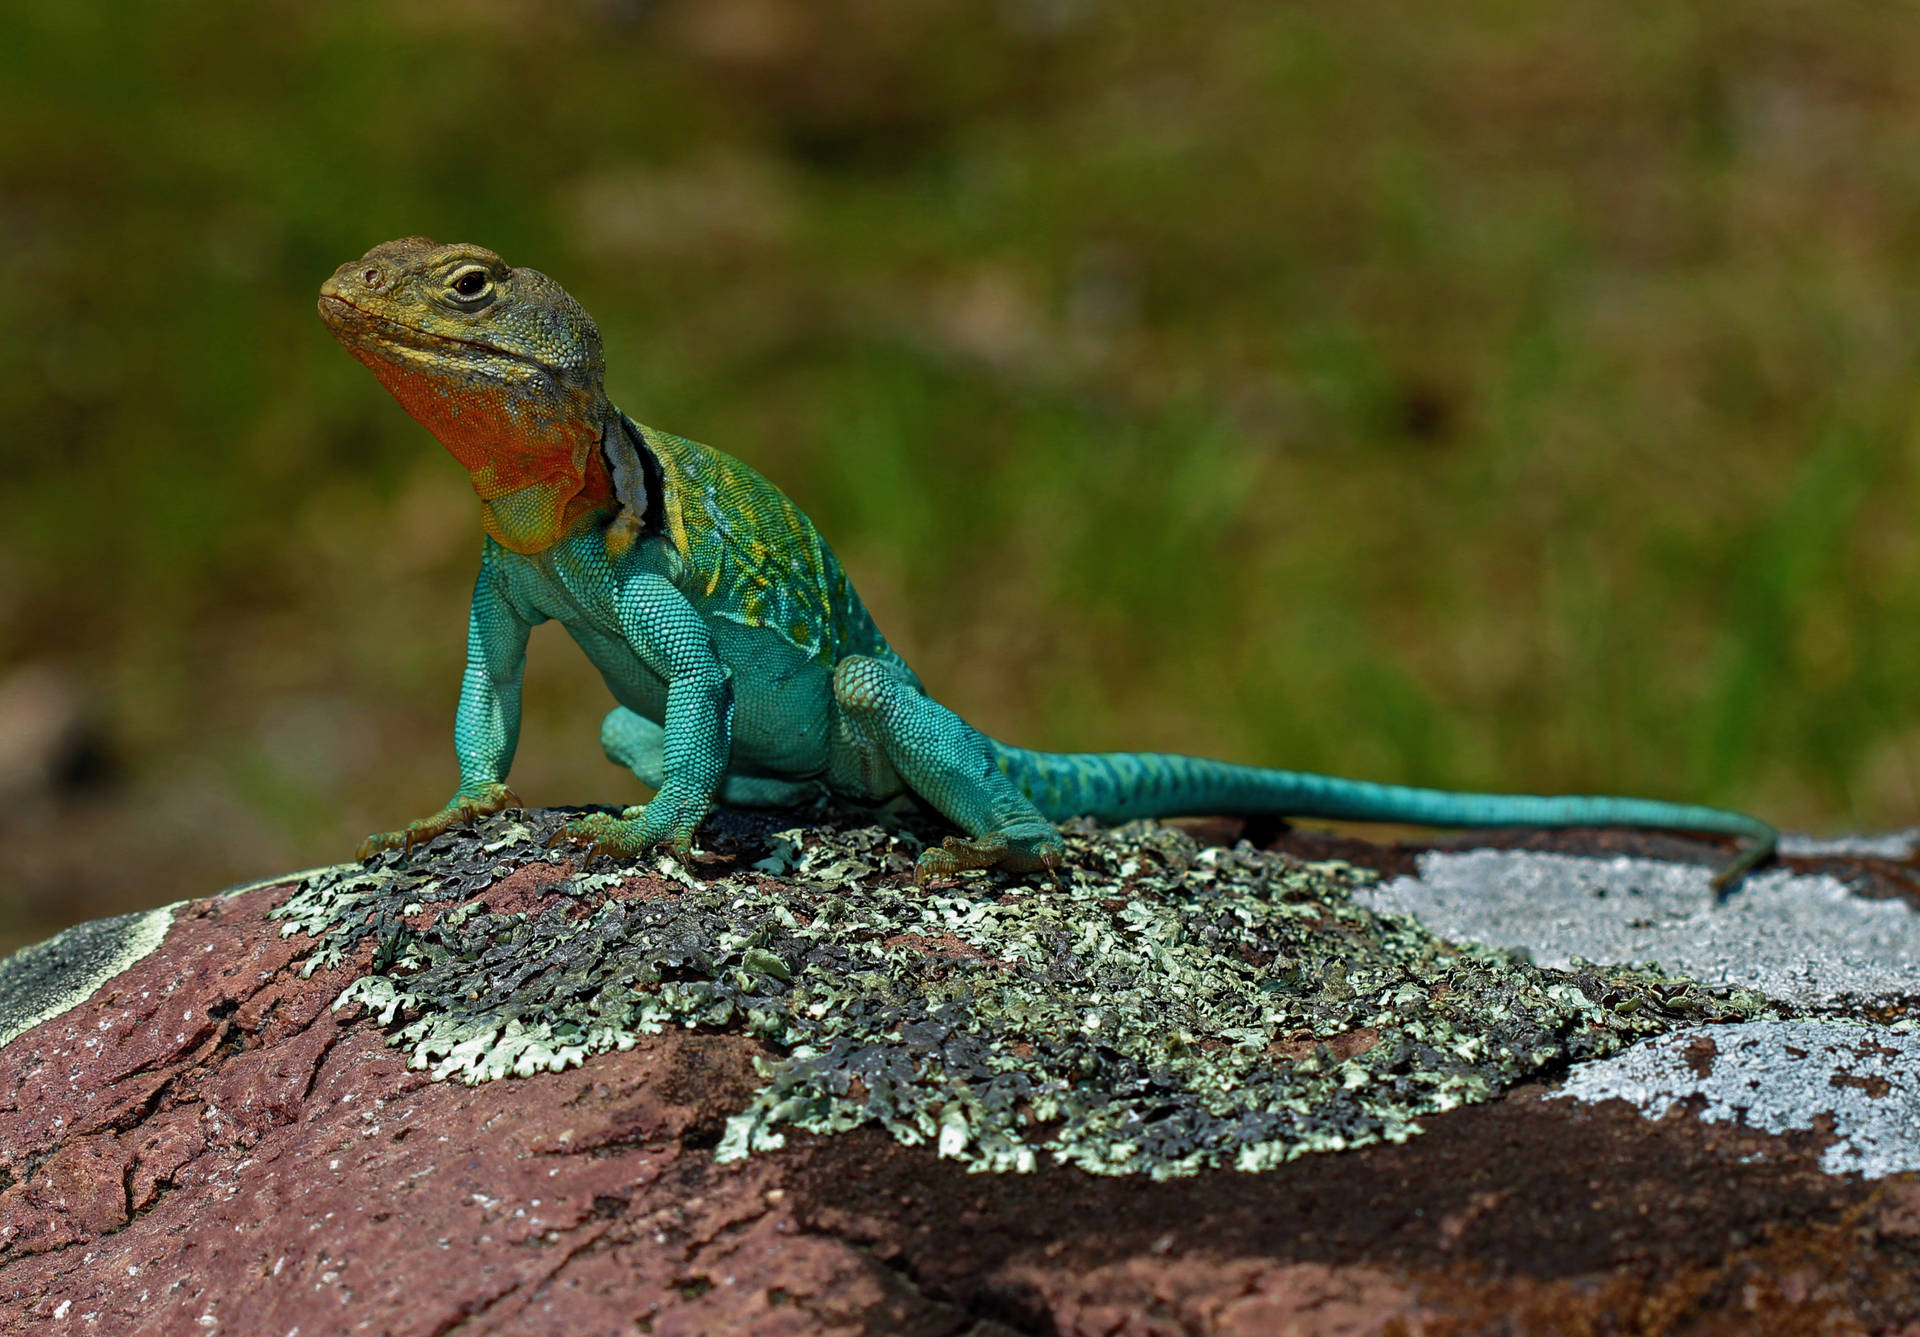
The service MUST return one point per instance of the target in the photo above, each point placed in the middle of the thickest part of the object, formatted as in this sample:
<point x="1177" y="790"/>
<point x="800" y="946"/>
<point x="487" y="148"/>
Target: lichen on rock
<point x="40" y="982"/>
<point x="1161" y="1009"/>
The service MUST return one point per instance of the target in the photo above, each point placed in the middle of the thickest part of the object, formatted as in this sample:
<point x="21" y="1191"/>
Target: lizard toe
<point x="1015" y="851"/>
<point x="379" y="843"/>
<point x="956" y="854"/>
<point x="621" y="837"/>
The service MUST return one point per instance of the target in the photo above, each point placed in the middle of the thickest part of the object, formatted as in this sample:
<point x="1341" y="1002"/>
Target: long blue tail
<point x="1120" y="786"/>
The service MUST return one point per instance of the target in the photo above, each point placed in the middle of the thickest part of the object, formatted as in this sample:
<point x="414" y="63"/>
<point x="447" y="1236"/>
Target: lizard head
<point x="499" y="363"/>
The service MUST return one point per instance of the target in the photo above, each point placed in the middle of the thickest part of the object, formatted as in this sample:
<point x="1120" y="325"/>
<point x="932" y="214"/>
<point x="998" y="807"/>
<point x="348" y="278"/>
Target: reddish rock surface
<point x="205" y="1147"/>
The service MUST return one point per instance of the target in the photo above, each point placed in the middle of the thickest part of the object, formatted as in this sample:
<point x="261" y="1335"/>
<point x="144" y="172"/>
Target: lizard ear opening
<point x="634" y="472"/>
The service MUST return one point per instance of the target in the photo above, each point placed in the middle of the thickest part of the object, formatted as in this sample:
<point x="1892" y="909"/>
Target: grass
<point x="1477" y="395"/>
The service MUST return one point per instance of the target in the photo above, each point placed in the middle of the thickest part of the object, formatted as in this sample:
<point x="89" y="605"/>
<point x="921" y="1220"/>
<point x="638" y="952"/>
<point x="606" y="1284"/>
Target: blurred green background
<point x="1483" y="395"/>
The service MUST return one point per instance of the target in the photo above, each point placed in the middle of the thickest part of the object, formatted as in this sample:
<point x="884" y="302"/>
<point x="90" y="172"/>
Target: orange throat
<point x="538" y="475"/>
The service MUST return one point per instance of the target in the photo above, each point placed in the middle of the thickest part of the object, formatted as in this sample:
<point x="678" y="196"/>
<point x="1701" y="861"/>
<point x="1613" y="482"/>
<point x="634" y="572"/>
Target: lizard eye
<point x="470" y="283"/>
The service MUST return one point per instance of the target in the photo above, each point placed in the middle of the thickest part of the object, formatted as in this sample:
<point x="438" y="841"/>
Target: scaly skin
<point x="745" y="667"/>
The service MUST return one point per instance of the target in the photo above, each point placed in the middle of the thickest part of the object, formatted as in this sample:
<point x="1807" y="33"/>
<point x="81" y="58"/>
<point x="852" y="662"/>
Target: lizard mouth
<point x="385" y="335"/>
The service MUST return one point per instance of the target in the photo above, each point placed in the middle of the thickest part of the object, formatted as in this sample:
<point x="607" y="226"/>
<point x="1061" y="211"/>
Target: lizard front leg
<point x="486" y="728"/>
<point x="672" y="640"/>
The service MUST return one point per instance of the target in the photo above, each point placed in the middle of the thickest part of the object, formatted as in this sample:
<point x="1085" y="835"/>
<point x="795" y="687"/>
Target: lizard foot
<point x="628" y="835"/>
<point x="1017" y="853"/>
<point x="460" y="811"/>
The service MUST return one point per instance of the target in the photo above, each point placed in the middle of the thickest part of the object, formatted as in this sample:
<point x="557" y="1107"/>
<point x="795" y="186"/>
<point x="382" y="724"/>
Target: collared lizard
<point x="745" y="668"/>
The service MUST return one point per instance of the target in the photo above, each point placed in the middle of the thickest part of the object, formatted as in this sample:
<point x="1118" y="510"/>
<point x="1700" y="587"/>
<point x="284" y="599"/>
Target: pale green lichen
<point x="1161" y="1009"/>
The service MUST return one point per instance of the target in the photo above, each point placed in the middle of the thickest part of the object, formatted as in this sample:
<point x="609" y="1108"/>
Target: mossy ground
<point x="1162" y="1008"/>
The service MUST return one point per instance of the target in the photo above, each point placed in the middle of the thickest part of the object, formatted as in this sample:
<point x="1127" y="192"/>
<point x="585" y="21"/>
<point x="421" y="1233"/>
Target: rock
<point x="789" y="1094"/>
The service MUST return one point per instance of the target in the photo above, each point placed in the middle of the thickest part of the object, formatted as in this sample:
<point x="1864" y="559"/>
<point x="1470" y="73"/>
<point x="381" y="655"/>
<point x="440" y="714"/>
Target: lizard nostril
<point x="371" y="278"/>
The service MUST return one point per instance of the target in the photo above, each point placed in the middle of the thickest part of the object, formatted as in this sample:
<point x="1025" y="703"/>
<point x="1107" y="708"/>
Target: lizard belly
<point x="782" y="701"/>
<point x="782" y="697"/>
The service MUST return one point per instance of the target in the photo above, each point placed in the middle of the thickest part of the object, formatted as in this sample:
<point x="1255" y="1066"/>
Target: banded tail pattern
<point x="1121" y="786"/>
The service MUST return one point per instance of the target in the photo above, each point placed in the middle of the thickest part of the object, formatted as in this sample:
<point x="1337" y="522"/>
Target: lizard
<point x="744" y="668"/>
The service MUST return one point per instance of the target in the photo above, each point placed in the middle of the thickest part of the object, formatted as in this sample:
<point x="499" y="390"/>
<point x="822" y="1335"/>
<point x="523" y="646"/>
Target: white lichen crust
<point x="1856" y="1083"/>
<point x="1804" y="940"/>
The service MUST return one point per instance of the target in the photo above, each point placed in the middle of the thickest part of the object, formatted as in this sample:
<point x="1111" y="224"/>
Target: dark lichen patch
<point x="41" y="982"/>
<point x="1163" y="1008"/>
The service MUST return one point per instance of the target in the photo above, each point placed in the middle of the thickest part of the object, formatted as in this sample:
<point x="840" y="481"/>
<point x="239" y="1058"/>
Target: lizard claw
<point x="627" y="836"/>
<point x="459" y="811"/>
<point x="585" y="844"/>
<point x="1016" y="851"/>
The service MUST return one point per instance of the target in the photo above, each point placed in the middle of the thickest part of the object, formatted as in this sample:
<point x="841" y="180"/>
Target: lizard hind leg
<point x="635" y="742"/>
<point x="950" y="764"/>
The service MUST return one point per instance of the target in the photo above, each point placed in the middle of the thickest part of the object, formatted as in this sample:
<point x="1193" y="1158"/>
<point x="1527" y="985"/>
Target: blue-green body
<point x="771" y="700"/>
